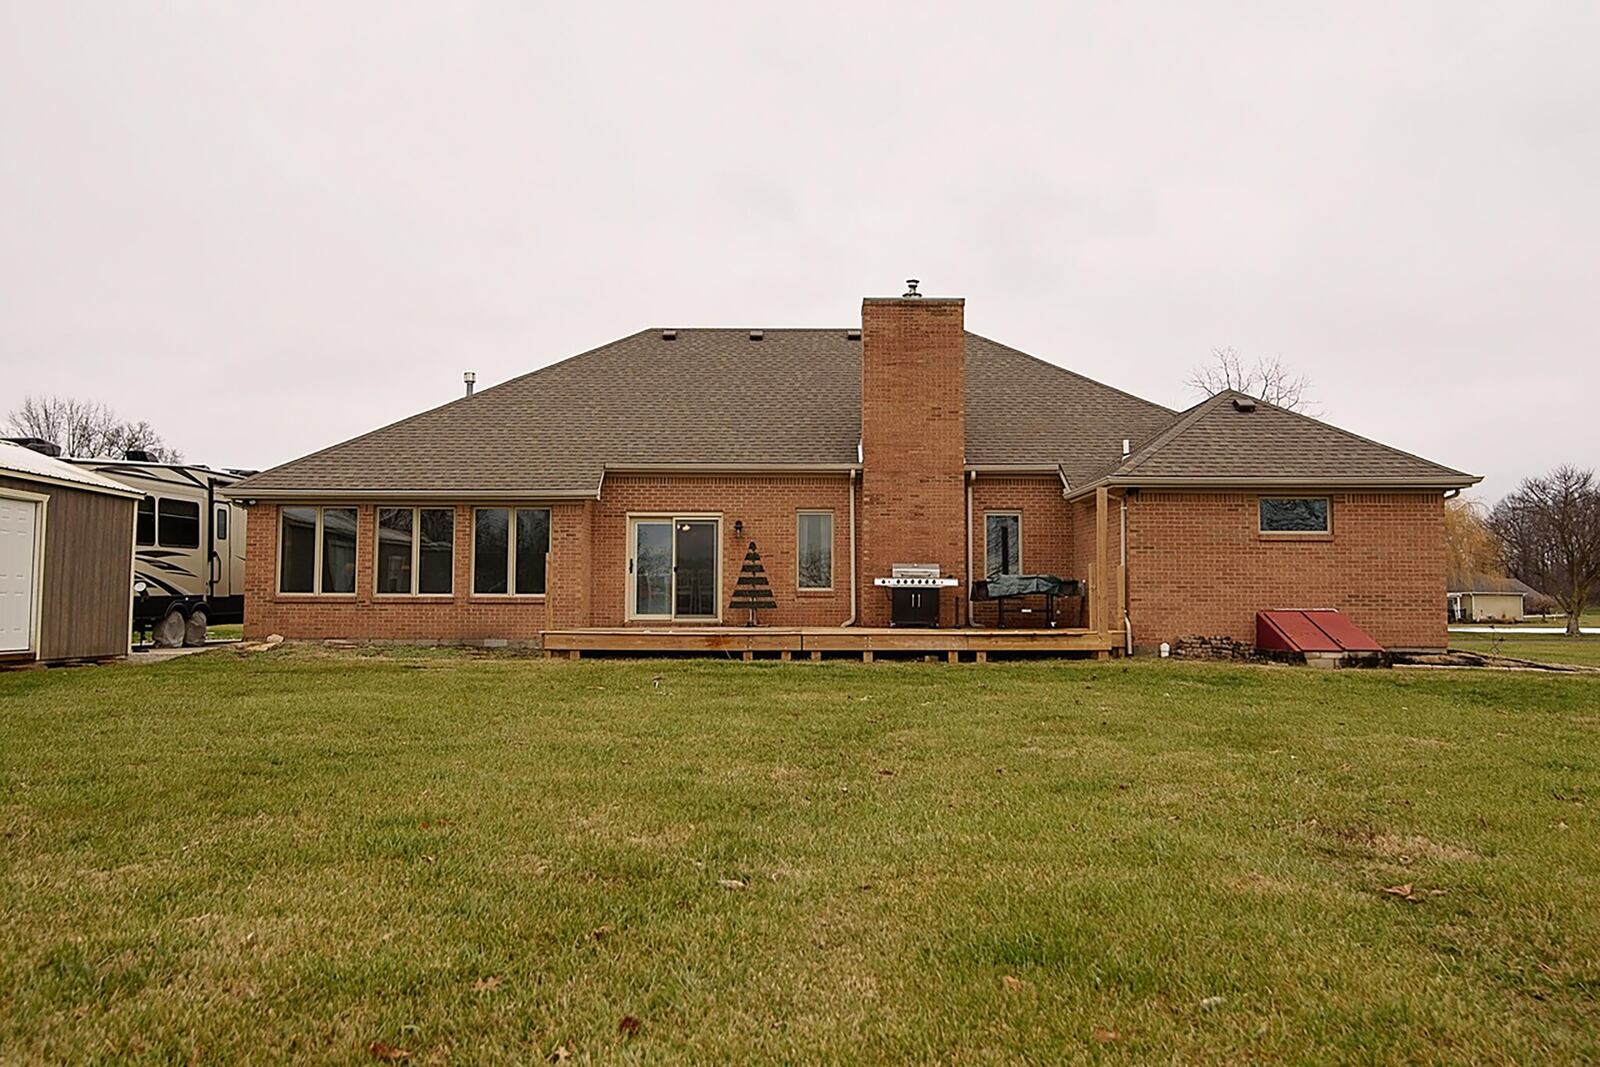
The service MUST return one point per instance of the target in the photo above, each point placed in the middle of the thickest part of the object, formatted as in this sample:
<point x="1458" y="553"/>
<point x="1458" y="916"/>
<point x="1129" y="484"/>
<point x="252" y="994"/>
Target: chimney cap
<point x="911" y="287"/>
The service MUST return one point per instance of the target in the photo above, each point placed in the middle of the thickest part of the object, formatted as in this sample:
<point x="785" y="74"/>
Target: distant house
<point x="66" y="560"/>
<point x="1487" y="598"/>
<point x="885" y="469"/>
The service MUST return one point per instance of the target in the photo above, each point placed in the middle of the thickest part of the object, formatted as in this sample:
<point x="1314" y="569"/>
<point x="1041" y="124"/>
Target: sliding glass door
<point x="672" y="569"/>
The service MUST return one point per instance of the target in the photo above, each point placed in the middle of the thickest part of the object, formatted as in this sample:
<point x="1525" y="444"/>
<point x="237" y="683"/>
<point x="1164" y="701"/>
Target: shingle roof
<point x="1234" y="437"/>
<point x="1488" y="583"/>
<point x="716" y="397"/>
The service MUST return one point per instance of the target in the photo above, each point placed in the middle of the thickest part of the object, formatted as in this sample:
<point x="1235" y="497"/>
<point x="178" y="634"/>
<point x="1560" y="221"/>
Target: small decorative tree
<point x="753" y="591"/>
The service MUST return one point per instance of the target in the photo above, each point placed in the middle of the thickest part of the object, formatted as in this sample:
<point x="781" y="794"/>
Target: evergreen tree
<point x="753" y="591"/>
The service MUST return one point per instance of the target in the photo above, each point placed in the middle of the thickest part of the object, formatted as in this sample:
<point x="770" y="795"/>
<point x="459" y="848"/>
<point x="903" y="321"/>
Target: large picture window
<point x="1295" y="514"/>
<point x="317" y="550"/>
<point x="1002" y="543"/>
<point x="509" y="546"/>
<point x="814" y="550"/>
<point x="178" y="523"/>
<point x="415" y="551"/>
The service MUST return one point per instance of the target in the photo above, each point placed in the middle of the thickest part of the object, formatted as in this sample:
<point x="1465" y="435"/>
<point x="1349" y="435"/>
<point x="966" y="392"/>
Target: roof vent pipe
<point x="756" y="335"/>
<point x="1127" y="447"/>
<point x="471" y="380"/>
<point x="911" y="287"/>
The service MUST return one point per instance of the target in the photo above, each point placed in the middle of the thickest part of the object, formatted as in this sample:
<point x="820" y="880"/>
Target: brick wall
<point x="1198" y="566"/>
<point x="587" y="582"/>
<point x="1047" y="542"/>
<point x="766" y="504"/>
<point x="458" y="617"/>
<point x="913" y="441"/>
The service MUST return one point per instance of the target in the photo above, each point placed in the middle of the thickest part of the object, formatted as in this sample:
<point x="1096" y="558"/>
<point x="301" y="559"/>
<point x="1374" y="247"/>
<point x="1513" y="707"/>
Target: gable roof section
<point x="711" y="398"/>
<point x="19" y="461"/>
<point x="1217" y="443"/>
<point x="1488" y="583"/>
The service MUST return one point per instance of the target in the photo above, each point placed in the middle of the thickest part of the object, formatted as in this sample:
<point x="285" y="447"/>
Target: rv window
<point x="178" y="523"/>
<point x="1002" y="536"/>
<point x="144" y="532"/>
<point x="815" y="550"/>
<point x="221" y="529"/>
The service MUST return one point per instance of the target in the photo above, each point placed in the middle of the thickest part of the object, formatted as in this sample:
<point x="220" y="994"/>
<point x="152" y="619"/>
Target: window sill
<point x="830" y="591"/>
<point x="1289" y="535"/>
<point x="494" y="598"/>
<point x="413" y="598"/>
<point x="301" y="598"/>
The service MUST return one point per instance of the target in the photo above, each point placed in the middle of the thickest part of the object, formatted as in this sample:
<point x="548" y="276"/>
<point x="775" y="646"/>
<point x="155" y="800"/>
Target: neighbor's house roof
<point x="714" y="398"/>
<point x="1488" y="583"/>
<point x="1235" y="438"/>
<point x="17" y="461"/>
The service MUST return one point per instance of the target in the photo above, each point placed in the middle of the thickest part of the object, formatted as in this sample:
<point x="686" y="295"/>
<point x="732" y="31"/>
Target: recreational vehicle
<point x="188" y="546"/>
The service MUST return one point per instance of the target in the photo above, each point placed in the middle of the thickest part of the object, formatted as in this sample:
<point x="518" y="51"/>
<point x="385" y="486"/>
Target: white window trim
<point x="416" y="551"/>
<point x="511" y="551"/>
<point x="798" y="516"/>
<point x="316" y="557"/>
<point x="1326" y="531"/>
<point x="998" y="515"/>
<point x="628" y="602"/>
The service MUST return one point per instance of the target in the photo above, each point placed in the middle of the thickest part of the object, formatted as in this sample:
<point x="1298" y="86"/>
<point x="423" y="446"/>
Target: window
<point x="509" y="546"/>
<point x="221" y="526"/>
<point x="814" y="550"/>
<point x="144" y="532"/>
<point x="415" y="550"/>
<point x="1002" y="541"/>
<point x="1295" y="514"/>
<point x="178" y="523"/>
<point x="317" y="550"/>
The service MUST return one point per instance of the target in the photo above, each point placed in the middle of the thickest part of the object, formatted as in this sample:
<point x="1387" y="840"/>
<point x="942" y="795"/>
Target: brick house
<point x="621" y="487"/>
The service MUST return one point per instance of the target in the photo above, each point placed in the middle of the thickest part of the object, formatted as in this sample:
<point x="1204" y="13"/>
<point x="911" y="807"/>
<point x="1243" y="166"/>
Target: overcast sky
<point x="268" y="227"/>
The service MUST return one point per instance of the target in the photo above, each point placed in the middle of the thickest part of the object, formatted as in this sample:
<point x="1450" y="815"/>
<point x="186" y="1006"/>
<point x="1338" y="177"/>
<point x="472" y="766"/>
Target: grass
<point x="301" y="855"/>
<point x="1583" y="651"/>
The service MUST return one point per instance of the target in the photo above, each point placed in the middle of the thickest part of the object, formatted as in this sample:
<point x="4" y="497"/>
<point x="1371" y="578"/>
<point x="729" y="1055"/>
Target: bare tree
<point x="85" y="428"/>
<point x="1265" y="379"/>
<point x="1549" y="531"/>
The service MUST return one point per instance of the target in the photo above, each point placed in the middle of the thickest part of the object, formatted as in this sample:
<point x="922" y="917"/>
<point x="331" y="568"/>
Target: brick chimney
<point x="913" y="445"/>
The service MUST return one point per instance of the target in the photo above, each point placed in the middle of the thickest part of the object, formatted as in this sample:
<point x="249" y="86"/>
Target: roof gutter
<point x="402" y="496"/>
<point x="1275" y="482"/>
<point x="68" y="483"/>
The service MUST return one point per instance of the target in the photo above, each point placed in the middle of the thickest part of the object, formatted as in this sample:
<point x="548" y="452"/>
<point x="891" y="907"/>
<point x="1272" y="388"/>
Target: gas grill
<point x="914" y="593"/>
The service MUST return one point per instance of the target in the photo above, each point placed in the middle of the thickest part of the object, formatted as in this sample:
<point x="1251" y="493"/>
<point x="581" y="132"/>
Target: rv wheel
<point x="194" y="634"/>
<point x="169" y="632"/>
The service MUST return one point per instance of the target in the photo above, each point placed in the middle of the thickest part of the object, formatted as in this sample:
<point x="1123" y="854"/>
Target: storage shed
<point x="66" y="560"/>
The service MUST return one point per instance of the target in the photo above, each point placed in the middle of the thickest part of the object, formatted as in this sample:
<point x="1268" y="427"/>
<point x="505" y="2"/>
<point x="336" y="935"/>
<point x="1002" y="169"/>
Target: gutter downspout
<point x="1127" y="619"/>
<point x="851" y="489"/>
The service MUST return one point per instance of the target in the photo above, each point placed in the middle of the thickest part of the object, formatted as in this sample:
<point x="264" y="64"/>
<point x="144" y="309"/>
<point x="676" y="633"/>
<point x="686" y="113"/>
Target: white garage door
<point x="19" y="527"/>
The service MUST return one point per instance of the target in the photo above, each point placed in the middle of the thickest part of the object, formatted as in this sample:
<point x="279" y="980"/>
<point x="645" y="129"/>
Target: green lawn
<point x="1543" y="648"/>
<point x="303" y="856"/>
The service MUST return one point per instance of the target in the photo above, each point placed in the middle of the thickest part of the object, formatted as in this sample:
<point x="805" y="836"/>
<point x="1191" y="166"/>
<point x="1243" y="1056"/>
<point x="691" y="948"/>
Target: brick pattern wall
<point x="459" y="617"/>
<point x="913" y="440"/>
<point x="1198" y="566"/>
<point x="1047" y="543"/>
<point x="767" y="504"/>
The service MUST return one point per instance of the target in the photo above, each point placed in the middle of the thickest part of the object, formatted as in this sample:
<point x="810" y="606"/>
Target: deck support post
<point x="747" y="655"/>
<point x="953" y="656"/>
<point x="573" y="654"/>
<point x="866" y="655"/>
<point x="1100" y="600"/>
<point x="816" y="657"/>
<point x="983" y="657"/>
<point x="785" y="655"/>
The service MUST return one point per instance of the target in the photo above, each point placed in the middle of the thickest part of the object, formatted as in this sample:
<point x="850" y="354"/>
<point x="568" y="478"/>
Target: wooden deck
<point x="815" y="642"/>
